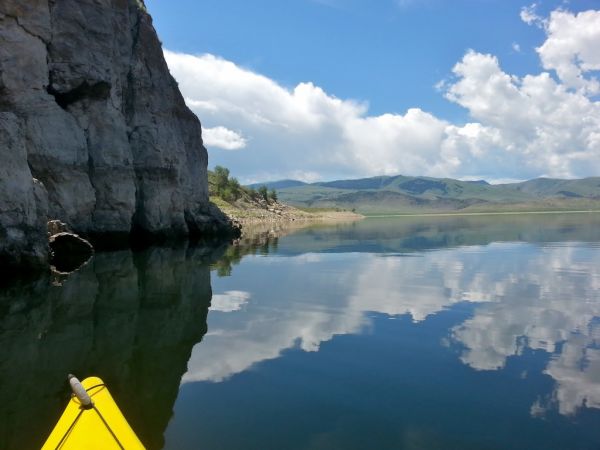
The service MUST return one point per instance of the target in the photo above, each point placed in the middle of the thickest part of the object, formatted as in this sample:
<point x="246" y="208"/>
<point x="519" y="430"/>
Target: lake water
<point x="387" y="333"/>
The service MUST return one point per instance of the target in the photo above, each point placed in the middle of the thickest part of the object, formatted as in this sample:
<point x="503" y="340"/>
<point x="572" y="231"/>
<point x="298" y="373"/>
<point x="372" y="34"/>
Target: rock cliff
<point x="88" y="107"/>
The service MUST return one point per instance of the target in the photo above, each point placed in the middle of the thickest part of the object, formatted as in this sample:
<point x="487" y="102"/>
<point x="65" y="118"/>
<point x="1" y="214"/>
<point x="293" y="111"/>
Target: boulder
<point x="56" y="226"/>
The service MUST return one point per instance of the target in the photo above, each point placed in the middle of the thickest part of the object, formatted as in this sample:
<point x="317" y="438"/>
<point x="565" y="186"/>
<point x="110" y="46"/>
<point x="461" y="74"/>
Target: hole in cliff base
<point x="99" y="90"/>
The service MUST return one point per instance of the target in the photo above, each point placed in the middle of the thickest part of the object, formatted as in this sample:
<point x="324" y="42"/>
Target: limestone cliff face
<point x="23" y="200"/>
<point x="88" y="107"/>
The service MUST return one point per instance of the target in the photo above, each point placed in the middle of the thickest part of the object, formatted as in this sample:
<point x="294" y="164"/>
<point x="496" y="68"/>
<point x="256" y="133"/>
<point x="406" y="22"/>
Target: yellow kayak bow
<point x="92" y="421"/>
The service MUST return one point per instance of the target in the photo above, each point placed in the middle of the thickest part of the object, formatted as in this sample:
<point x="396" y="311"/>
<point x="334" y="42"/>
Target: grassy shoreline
<point x="487" y="213"/>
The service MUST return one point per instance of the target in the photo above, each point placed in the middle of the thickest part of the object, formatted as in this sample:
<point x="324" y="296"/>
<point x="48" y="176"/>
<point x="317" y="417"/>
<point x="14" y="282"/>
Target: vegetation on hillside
<point x="403" y="194"/>
<point x="259" y="203"/>
<point x="229" y="189"/>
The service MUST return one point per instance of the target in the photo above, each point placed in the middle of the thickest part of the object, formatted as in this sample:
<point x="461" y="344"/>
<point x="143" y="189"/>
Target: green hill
<point x="403" y="194"/>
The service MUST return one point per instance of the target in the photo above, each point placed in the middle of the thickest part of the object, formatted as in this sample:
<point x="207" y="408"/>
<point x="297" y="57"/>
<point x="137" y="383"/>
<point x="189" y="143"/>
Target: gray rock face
<point x="102" y="122"/>
<point x="23" y="205"/>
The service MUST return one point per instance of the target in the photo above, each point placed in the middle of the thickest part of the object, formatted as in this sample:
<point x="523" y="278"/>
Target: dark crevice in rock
<point x="129" y="92"/>
<point x="51" y="6"/>
<point x="90" y="164"/>
<point x="128" y="112"/>
<point x="92" y="172"/>
<point x="96" y="91"/>
<point x="5" y="103"/>
<point x="33" y="175"/>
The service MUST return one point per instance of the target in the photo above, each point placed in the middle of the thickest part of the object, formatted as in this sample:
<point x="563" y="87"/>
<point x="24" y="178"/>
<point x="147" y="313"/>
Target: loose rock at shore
<point x="260" y="211"/>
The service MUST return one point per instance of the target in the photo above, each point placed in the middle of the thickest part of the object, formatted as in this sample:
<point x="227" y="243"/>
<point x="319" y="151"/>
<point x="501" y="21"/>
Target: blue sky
<point x="386" y="56"/>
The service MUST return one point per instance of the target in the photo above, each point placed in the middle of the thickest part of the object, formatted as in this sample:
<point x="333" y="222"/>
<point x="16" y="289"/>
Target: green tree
<point x="229" y="189"/>
<point x="273" y="195"/>
<point x="235" y="187"/>
<point x="221" y="179"/>
<point x="264" y="193"/>
<point x="227" y="194"/>
<point x="251" y="192"/>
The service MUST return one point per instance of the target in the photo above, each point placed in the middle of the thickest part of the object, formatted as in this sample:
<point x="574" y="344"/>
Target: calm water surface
<point x="403" y="333"/>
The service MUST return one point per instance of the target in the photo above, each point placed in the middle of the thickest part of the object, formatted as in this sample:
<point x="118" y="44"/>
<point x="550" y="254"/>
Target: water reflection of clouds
<point x="577" y="373"/>
<point x="248" y="339"/>
<point x="268" y="325"/>
<point x="229" y="301"/>
<point x="526" y="296"/>
<point x="550" y="302"/>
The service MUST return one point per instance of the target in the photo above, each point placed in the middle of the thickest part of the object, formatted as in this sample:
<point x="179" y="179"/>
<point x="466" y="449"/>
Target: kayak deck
<point x="101" y="426"/>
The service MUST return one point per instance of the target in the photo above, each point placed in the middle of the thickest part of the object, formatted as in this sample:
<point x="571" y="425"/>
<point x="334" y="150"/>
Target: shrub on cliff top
<point x="227" y="188"/>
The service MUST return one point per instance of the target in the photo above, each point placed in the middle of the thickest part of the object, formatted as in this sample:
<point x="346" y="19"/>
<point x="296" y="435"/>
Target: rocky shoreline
<point x="249" y="215"/>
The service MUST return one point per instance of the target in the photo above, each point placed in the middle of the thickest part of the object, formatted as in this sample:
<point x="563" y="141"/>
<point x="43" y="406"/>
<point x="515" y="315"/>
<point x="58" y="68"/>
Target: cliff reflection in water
<point x="130" y="318"/>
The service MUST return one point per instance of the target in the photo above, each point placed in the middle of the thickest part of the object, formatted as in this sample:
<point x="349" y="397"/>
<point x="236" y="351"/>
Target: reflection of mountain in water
<point x="405" y="234"/>
<point x="131" y="319"/>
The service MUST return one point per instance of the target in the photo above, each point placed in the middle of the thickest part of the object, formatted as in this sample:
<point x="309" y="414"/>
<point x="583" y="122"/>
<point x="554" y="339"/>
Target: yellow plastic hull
<point x="102" y="427"/>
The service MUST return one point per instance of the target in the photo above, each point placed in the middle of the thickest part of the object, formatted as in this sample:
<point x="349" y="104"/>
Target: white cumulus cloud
<point x="532" y="122"/>
<point x="530" y="16"/>
<point x="304" y="129"/>
<point x="573" y="48"/>
<point x="519" y="127"/>
<point x="224" y="138"/>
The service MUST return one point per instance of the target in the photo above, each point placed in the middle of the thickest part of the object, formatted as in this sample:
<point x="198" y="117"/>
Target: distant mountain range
<point x="404" y="194"/>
